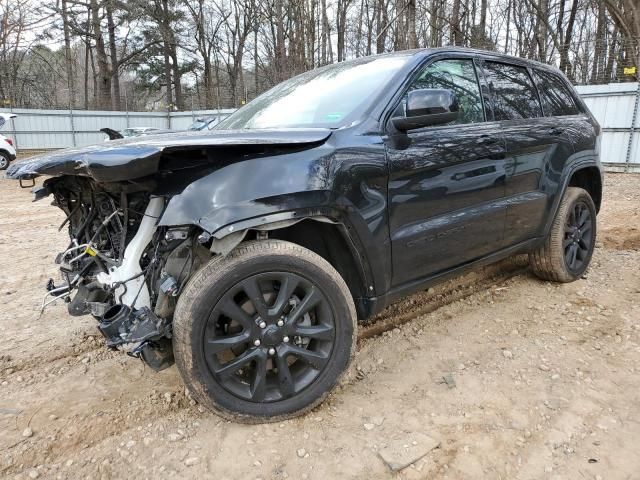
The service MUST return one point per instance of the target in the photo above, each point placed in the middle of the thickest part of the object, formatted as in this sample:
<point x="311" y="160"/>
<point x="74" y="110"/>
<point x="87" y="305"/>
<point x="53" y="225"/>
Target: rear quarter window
<point x="556" y="97"/>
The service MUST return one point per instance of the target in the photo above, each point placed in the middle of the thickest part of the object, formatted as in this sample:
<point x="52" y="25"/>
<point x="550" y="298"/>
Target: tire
<point x="304" y="351"/>
<point x="4" y="161"/>
<point x="572" y="237"/>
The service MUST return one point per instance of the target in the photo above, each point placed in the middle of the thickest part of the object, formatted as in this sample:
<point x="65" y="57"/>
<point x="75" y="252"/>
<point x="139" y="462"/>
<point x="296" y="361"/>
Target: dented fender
<point x="342" y="180"/>
<point x="254" y="188"/>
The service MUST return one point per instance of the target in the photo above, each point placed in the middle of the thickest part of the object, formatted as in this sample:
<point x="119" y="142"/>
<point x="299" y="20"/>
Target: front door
<point x="446" y="183"/>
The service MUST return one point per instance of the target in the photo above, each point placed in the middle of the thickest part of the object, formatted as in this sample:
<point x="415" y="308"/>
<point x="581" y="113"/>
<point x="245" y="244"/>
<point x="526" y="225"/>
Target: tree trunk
<point x="177" y="77"/>
<point x="564" y="61"/>
<point x="483" y="17"/>
<point x="255" y="61"/>
<point x="381" y="26"/>
<point x="279" y="47"/>
<point x="87" y="53"/>
<point x="611" y="56"/>
<point x="113" y="52"/>
<point x="88" y="56"/>
<point x="412" y="41"/>
<point x="434" y="24"/>
<point x="104" y="71"/>
<point x="456" y="34"/>
<point x="599" y="54"/>
<point x="67" y="56"/>
<point x="508" y="33"/>
<point x="324" y="36"/>
<point x="341" y="25"/>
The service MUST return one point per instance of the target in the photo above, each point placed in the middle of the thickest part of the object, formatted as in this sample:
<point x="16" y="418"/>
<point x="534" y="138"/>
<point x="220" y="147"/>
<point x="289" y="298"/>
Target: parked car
<point x="131" y="132"/>
<point x="137" y="131"/>
<point x="248" y="253"/>
<point x="207" y="123"/>
<point x="7" y="150"/>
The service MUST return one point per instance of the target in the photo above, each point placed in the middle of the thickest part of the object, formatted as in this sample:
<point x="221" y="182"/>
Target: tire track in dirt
<point x="55" y="354"/>
<point x="442" y="295"/>
<point x="85" y="405"/>
<point x="92" y="423"/>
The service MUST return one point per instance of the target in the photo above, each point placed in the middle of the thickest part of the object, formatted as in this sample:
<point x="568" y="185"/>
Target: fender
<point x="312" y="183"/>
<point x="570" y="169"/>
<point x="226" y="239"/>
<point x="253" y="187"/>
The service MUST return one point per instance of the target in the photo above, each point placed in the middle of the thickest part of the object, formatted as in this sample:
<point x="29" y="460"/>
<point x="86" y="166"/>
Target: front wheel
<point x="567" y="251"/>
<point x="264" y="333"/>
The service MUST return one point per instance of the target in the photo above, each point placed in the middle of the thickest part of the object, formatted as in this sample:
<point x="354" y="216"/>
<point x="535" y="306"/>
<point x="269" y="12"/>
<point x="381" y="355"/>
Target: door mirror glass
<point x="427" y="106"/>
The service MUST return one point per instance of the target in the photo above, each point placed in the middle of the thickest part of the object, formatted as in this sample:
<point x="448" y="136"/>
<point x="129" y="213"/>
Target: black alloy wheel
<point x="269" y="336"/>
<point x="566" y="252"/>
<point x="577" y="236"/>
<point x="264" y="333"/>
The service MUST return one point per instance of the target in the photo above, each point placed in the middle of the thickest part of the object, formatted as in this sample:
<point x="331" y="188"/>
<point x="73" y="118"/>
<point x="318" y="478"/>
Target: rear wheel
<point x="265" y="332"/>
<point x="566" y="253"/>
<point x="4" y="161"/>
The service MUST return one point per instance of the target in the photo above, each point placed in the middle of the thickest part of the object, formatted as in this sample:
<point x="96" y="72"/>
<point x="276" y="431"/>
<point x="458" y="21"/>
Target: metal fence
<point x="616" y="106"/>
<point x="49" y="129"/>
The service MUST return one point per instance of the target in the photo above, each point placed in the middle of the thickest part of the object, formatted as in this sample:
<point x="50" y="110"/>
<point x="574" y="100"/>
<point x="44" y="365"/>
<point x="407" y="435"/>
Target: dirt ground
<point x="546" y="379"/>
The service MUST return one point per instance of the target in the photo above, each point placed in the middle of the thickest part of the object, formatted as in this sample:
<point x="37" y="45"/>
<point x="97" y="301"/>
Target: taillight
<point x="9" y="141"/>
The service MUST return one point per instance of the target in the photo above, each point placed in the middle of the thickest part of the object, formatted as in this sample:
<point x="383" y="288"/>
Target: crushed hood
<point x="138" y="157"/>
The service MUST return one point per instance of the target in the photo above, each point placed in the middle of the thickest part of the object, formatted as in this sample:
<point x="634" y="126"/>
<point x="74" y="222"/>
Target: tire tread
<point x="220" y="266"/>
<point x="547" y="262"/>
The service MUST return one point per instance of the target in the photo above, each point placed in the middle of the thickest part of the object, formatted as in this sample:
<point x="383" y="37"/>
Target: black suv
<point x="249" y="252"/>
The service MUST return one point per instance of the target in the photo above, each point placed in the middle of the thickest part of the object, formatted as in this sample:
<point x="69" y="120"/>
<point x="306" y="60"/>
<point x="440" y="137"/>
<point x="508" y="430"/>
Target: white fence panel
<point x="615" y="107"/>
<point x="48" y="129"/>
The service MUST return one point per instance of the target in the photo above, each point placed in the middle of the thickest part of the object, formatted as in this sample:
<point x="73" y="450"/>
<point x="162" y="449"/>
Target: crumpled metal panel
<point x="140" y="156"/>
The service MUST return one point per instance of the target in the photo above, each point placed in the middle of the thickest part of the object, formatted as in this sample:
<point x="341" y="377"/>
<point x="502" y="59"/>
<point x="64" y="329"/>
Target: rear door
<point x="534" y="144"/>
<point x="559" y="103"/>
<point x="446" y="183"/>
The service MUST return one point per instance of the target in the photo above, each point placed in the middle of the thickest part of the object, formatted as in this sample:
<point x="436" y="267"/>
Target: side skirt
<point x="367" y="307"/>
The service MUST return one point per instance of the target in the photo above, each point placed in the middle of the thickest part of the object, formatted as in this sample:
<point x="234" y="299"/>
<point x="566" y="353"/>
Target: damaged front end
<point x="120" y="266"/>
<point x="144" y="214"/>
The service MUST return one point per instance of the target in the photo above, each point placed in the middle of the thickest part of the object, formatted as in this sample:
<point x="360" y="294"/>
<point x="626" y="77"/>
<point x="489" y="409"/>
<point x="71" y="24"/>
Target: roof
<point x="423" y="52"/>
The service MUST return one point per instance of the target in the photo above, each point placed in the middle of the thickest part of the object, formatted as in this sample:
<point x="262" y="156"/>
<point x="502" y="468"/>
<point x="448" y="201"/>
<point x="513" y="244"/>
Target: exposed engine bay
<point x="144" y="214"/>
<point x="119" y="266"/>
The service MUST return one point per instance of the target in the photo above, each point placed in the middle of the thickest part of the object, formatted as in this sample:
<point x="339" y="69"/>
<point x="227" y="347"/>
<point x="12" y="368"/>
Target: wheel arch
<point x="583" y="174"/>
<point x="332" y="239"/>
<point x="588" y="178"/>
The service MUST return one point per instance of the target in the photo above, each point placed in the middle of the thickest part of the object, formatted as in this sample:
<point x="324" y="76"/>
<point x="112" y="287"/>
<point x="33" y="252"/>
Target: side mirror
<point x="428" y="106"/>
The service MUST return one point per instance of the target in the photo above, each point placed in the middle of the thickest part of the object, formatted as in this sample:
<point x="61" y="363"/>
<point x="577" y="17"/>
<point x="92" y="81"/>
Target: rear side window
<point x="514" y="95"/>
<point x="458" y="76"/>
<point x="555" y="95"/>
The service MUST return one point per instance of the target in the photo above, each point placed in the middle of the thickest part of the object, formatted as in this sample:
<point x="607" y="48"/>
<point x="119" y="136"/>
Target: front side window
<point x="555" y="95"/>
<point x="514" y="95"/>
<point x="458" y="76"/>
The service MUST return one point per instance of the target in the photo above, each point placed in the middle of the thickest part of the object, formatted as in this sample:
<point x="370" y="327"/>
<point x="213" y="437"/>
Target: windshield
<point x="328" y="97"/>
